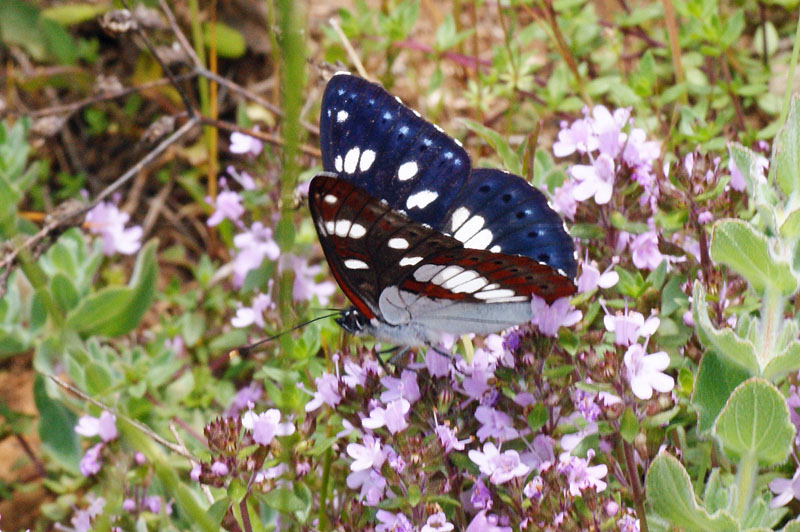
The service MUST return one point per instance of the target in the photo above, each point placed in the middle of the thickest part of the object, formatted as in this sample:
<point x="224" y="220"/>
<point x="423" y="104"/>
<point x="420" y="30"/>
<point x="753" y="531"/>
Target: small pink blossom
<point x="645" y="252"/>
<point x="499" y="467"/>
<point x="228" y="205"/>
<point x="92" y="461"/>
<point x="564" y="199"/>
<point x="392" y="522"/>
<point x="327" y="392"/>
<point x="104" y="426"/>
<point x="785" y="490"/>
<point x="366" y="456"/>
<point x="581" y="476"/>
<point x="737" y="179"/>
<point x="447" y="436"/>
<point x="241" y="143"/>
<point x="107" y="220"/>
<point x="629" y="326"/>
<point x="305" y="288"/>
<point x="486" y="523"/>
<point x="246" y="316"/>
<point x="393" y="417"/>
<point x="550" y="318"/>
<point x="645" y="372"/>
<point x="437" y="523"/>
<point x="218" y="468"/>
<point x="266" y="425"/>
<point x="591" y="277"/>
<point x="252" y="247"/>
<point x="403" y="388"/>
<point x="495" y="423"/>
<point x="595" y="180"/>
<point x="577" y="136"/>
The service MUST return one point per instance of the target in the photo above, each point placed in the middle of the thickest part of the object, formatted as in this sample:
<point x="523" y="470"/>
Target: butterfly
<point x="421" y="243"/>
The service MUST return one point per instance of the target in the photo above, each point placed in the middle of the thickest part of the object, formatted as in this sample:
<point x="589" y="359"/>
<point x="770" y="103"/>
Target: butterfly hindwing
<point x="372" y="248"/>
<point x="372" y="140"/>
<point x="502" y="212"/>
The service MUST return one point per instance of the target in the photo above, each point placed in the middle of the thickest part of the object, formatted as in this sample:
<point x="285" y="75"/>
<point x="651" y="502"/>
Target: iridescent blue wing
<point x="372" y="140"/>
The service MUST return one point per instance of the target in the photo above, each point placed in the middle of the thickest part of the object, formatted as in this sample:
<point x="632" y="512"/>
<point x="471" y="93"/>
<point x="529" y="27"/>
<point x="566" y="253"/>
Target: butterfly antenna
<point x="247" y="349"/>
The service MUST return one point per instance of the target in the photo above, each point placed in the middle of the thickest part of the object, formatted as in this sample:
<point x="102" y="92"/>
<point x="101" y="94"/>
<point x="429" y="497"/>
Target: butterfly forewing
<point x="372" y="140"/>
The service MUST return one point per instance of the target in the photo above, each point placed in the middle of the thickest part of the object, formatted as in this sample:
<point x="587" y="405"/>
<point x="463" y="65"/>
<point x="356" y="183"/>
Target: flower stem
<point x="745" y="481"/>
<point x="633" y="479"/>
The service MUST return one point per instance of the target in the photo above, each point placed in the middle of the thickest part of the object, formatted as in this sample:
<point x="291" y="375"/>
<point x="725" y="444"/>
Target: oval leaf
<point x="737" y="244"/>
<point x="756" y="422"/>
<point x="669" y="491"/>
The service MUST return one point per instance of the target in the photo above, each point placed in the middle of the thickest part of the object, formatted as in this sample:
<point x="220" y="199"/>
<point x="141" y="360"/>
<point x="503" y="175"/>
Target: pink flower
<point x="607" y="127"/>
<point x="499" y="467"/>
<point x="252" y="247"/>
<point x="243" y="178"/>
<point x="105" y="426"/>
<point x="305" y="288"/>
<point x="785" y="490"/>
<point x="228" y="205"/>
<point x="393" y="522"/>
<point x="628" y="523"/>
<point x="737" y="179"/>
<point x="486" y="523"/>
<point x="534" y="489"/>
<point x="645" y="252"/>
<point x="550" y="318"/>
<point x="107" y="220"/>
<point x="591" y="277"/>
<point x="371" y="484"/>
<point x="218" y="468"/>
<point x="581" y="475"/>
<point x="244" y="397"/>
<point x="437" y="523"/>
<point x="393" y="416"/>
<point x="327" y="392"/>
<point x="366" y="456"/>
<point x="91" y="462"/>
<point x="495" y="423"/>
<point x="449" y="440"/>
<point x="403" y="388"/>
<point x="577" y="136"/>
<point x="645" y="371"/>
<point x="437" y="365"/>
<point x="630" y="326"/>
<point x="595" y="180"/>
<point x="241" y="143"/>
<point x="266" y="425"/>
<point x="194" y="474"/>
<point x="246" y="316"/>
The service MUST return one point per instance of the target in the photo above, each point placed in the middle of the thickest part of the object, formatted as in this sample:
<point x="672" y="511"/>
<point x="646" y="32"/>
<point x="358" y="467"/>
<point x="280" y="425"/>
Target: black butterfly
<point x="420" y="242"/>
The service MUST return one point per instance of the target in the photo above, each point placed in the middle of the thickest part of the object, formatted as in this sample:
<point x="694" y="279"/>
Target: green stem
<point x="38" y="279"/>
<point x="787" y="95"/>
<point x="323" y="495"/>
<point x="745" y="482"/>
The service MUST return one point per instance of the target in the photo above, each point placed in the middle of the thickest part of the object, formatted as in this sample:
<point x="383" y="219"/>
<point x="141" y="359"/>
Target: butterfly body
<point x="422" y="244"/>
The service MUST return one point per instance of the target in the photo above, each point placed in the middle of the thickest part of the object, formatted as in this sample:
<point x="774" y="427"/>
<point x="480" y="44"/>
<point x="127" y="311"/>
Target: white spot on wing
<point x="357" y="231"/>
<point x="338" y="163"/>
<point x="330" y="198"/>
<point x="480" y="241"/>
<point x="421" y="199"/>
<point x="342" y="227"/>
<point x="416" y="113"/>
<point x="511" y="299"/>
<point x="329" y="227"/>
<point x="426" y="272"/>
<point x="459" y="217"/>
<point x="407" y="170"/>
<point x="495" y="249"/>
<point x="411" y="261"/>
<point x="367" y="158"/>
<point x="458" y="142"/>
<point x="342" y="115"/>
<point x="470" y="286"/>
<point x="398" y="243"/>
<point x="468" y="230"/>
<point x="355" y="264"/>
<point x="495" y="294"/>
<point x="446" y="274"/>
<point x="351" y="160"/>
<point x="462" y="277"/>
<point x="439" y="129"/>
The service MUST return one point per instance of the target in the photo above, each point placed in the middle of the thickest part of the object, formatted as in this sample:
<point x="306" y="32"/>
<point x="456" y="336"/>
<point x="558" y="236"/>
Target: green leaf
<point x="57" y="428"/>
<point x="716" y="495"/>
<point x="725" y="342"/>
<point x="284" y="500"/>
<point x="790" y="228"/>
<point x="230" y="43"/>
<point x="787" y="362"/>
<point x="74" y="13"/>
<point x="628" y="425"/>
<point x="510" y="158"/>
<point x="538" y="417"/>
<point x="737" y="244"/>
<point x="64" y="292"/>
<point x="787" y="152"/>
<point x="756" y="423"/>
<point x="114" y="311"/>
<point x="670" y="494"/>
<point x="716" y="379"/>
<point x="745" y="161"/>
